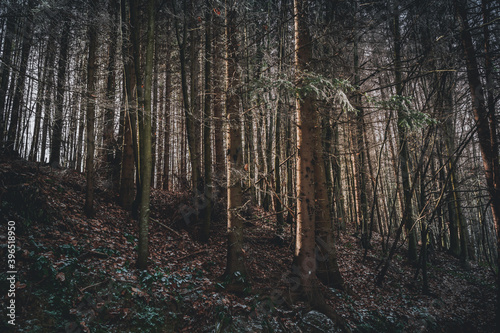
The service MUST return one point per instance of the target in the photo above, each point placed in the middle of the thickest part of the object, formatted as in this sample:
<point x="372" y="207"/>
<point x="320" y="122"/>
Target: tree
<point x="167" y="135"/>
<point x="310" y="178"/>
<point x="5" y="67"/>
<point x="305" y="259"/>
<point x="91" y="105"/>
<point x="111" y="161"/>
<point x="144" y="97"/>
<point x="55" y="151"/>
<point x="126" y="197"/>
<point x="42" y="89"/>
<point x="20" y="81"/>
<point x="407" y="215"/>
<point x="486" y="128"/>
<point x="235" y="268"/>
<point x="207" y="146"/>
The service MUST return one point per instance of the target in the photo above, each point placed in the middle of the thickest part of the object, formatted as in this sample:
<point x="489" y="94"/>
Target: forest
<point x="249" y="165"/>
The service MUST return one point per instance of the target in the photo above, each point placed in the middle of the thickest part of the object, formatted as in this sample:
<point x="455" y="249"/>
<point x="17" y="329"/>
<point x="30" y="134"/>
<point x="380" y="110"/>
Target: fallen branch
<point x="95" y="254"/>
<point x="91" y="286"/>
<point x="263" y="217"/>
<point x="167" y="227"/>
<point x="192" y="254"/>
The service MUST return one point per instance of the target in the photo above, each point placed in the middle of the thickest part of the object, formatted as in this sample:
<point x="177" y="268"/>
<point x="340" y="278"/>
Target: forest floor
<point x="77" y="274"/>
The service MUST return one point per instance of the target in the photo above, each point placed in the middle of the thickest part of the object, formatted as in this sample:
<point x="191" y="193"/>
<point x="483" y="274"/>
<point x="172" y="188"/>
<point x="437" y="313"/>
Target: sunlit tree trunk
<point x="235" y="261"/>
<point x="305" y="259"/>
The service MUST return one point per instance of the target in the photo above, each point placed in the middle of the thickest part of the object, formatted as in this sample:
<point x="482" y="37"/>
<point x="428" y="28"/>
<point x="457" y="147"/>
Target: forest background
<point x="330" y="118"/>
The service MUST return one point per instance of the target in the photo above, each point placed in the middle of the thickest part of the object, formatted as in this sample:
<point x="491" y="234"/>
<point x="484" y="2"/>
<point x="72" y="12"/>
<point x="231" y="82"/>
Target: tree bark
<point x="55" y="150"/>
<point x="20" y="82"/>
<point x="42" y="89"/>
<point x="167" y="132"/>
<point x="109" y="143"/>
<point x="407" y="217"/>
<point x="91" y="97"/>
<point x="218" y="108"/>
<point x="235" y="268"/>
<point x="126" y="196"/>
<point x="305" y="260"/>
<point x="326" y="256"/>
<point x="6" y="63"/>
<point x="144" y="116"/>
<point x="486" y="129"/>
<point x="207" y="150"/>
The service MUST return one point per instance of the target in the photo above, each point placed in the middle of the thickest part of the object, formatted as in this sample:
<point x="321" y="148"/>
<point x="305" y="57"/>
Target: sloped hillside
<point x="77" y="274"/>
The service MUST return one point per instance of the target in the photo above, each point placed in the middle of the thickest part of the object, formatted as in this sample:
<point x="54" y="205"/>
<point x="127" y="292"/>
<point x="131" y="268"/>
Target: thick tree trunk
<point x="109" y="111"/>
<point x="486" y="129"/>
<point x="144" y="116"/>
<point x="305" y="260"/>
<point x="235" y="267"/>
<point x="127" y="192"/>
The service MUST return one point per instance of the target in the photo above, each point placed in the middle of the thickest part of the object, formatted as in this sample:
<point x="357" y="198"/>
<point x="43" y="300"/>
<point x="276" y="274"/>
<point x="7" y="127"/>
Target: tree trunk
<point x="42" y="89"/>
<point x="20" y="82"/>
<point x="486" y="130"/>
<point x="190" y="104"/>
<point x="207" y="150"/>
<point x="144" y="116"/>
<point x="220" y="159"/>
<point x="55" y="150"/>
<point x="360" y="158"/>
<point x="127" y="162"/>
<point x="5" y="66"/>
<point x="91" y="97"/>
<point x="326" y="256"/>
<point x="304" y="260"/>
<point x="109" y="111"/>
<point x="167" y="133"/>
<point x="404" y="156"/>
<point x="81" y="125"/>
<point x="235" y="269"/>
